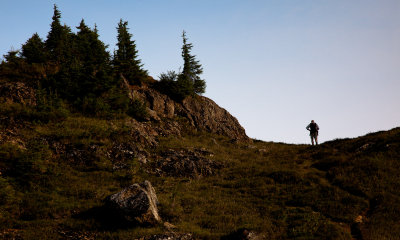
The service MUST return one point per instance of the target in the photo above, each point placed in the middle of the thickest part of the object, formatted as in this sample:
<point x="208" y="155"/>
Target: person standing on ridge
<point x="313" y="128"/>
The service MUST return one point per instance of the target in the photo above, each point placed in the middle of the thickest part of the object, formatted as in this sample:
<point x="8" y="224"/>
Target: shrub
<point x="137" y="109"/>
<point x="176" y="86"/>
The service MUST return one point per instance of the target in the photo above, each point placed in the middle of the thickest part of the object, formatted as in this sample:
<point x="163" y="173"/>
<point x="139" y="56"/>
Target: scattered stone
<point x="81" y="154"/>
<point x="121" y="154"/>
<point x="75" y="235"/>
<point x="10" y="233"/>
<point x="136" y="203"/>
<point x="170" y="236"/>
<point x="358" y="219"/>
<point x="189" y="163"/>
<point x="263" y="150"/>
<point x="363" y="147"/>
<point x="142" y="158"/>
<point x="143" y="133"/>
<point x="123" y="151"/>
<point x="169" y="226"/>
<point x="244" y="234"/>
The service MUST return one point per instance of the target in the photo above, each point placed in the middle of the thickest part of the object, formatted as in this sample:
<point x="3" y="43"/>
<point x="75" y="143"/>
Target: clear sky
<point x="273" y="64"/>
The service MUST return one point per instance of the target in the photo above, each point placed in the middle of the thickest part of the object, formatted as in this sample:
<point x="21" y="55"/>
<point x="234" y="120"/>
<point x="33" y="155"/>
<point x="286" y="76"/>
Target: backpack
<point x="313" y="127"/>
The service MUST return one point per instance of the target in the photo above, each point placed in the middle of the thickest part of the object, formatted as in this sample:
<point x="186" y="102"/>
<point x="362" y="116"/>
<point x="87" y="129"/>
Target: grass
<point x="279" y="190"/>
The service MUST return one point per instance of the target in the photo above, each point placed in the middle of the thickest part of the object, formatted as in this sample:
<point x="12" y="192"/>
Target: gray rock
<point x="137" y="202"/>
<point x="201" y="112"/>
<point x="204" y="114"/>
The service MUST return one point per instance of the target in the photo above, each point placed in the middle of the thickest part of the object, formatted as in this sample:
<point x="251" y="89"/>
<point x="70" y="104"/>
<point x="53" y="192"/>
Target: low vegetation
<point x="338" y="190"/>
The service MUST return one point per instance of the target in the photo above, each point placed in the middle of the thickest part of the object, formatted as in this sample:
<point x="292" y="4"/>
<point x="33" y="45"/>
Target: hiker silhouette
<point x="313" y="128"/>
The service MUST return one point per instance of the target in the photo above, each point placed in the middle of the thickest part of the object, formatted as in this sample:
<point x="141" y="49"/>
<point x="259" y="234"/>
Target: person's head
<point x="312" y="121"/>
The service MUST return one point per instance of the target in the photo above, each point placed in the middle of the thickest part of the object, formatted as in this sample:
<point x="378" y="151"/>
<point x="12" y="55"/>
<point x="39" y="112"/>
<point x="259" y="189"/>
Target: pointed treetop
<point x="192" y="68"/>
<point x="56" y="14"/>
<point x="83" y="28"/>
<point x="95" y="29"/>
<point x="126" y="56"/>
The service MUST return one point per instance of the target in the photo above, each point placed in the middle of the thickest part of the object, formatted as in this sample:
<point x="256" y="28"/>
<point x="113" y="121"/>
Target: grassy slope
<point x="283" y="191"/>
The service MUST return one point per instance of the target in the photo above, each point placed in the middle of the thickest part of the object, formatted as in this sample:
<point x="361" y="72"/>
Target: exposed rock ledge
<point x="201" y="112"/>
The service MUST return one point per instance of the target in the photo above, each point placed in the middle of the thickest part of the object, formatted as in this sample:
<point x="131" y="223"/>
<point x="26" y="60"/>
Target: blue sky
<point x="275" y="65"/>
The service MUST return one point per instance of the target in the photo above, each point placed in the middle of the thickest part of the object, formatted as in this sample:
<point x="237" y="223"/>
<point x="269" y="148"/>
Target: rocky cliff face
<point x="201" y="112"/>
<point x="205" y="114"/>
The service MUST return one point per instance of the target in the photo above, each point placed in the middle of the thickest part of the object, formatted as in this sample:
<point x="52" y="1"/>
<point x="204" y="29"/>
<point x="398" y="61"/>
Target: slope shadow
<point x="106" y="219"/>
<point x="240" y="234"/>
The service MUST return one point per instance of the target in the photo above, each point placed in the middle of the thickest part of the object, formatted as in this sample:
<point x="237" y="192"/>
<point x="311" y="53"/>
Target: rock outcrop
<point x="189" y="163"/>
<point x="170" y="236"/>
<point x="204" y="114"/>
<point x="136" y="203"/>
<point x="201" y="112"/>
<point x="17" y="92"/>
<point x="163" y="105"/>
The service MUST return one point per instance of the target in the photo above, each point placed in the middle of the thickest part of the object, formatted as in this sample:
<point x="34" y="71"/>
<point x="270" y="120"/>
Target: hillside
<point x="92" y="147"/>
<point x="211" y="180"/>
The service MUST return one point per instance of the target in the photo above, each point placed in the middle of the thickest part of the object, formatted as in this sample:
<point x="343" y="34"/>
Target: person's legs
<point x="314" y="136"/>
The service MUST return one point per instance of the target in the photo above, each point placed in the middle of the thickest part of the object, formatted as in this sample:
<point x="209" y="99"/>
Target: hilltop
<point x="210" y="178"/>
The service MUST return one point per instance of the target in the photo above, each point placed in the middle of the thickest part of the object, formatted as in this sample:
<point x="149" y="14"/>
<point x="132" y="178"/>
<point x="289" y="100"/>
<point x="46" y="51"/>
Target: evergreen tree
<point x="10" y="67"/>
<point x="126" y="56"/>
<point x="12" y="56"/>
<point x="34" y="50"/>
<point x="56" y="29"/>
<point x="187" y="82"/>
<point x="93" y="59"/>
<point x="192" y="68"/>
<point x="59" y="39"/>
<point x="89" y="47"/>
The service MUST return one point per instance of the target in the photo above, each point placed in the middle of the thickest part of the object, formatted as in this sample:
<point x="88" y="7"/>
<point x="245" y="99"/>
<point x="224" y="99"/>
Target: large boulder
<point x="136" y="203"/>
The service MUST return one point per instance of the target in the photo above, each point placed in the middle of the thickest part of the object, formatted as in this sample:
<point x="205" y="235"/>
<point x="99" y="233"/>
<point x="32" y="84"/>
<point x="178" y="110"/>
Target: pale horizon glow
<point x="274" y="65"/>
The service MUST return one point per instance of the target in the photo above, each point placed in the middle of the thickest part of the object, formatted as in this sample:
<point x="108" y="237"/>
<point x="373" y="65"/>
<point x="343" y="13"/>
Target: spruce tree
<point x="192" y="69"/>
<point x="89" y="47"/>
<point x="126" y="60"/>
<point x="33" y="50"/>
<point x="93" y="59"/>
<point x="59" y="39"/>
<point x="56" y="29"/>
<point x="12" y="56"/>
